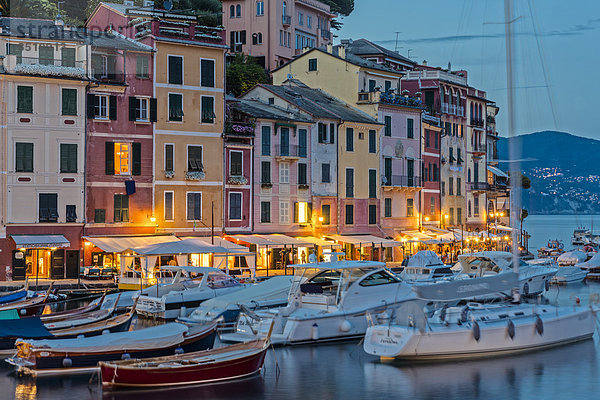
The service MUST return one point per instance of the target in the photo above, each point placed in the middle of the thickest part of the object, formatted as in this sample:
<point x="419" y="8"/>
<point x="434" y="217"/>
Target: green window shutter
<point x="25" y="99"/>
<point x="153" y="110"/>
<point x="91" y="106"/>
<point x="117" y="208"/>
<point x="169" y="157"/>
<point x="69" y="102"/>
<point x="16" y="50"/>
<point x="68" y="56"/>
<point x="176" y="70"/>
<point x="24" y="157"/>
<point x="136" y="164"/>
<point x="208" y="73"/>
<point x="46" y="55"/>
<point x="132" y="108"/>
<point x="208" y="109"/>
<point x="112" y="108"/>
<point x="109" y="157"/>
<point x="175" y="107"/>
<point x="409" y="128"/>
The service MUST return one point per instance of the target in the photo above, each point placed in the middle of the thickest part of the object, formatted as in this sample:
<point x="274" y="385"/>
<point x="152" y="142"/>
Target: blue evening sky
<point x="470" y="35"/>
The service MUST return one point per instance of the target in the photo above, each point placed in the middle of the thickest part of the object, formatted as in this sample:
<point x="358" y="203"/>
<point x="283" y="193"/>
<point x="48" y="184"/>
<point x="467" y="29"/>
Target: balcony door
<point x="410" y="172"/>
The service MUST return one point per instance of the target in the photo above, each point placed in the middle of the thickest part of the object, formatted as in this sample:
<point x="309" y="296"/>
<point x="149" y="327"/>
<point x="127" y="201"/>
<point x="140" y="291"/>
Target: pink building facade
<point x="274" y="31"/>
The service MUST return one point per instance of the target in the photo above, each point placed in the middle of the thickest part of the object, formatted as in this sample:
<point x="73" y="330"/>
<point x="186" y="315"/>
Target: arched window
<point x="472" y="116"/>
<point x="480" y="113"/>
<point x="232" y="11"/>
<point x="259" y="38"/>
<point x="238" y="10"/>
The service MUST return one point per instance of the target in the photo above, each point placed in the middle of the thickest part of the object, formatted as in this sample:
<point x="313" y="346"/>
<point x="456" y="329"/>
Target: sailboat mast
<point x="514" y="166"/>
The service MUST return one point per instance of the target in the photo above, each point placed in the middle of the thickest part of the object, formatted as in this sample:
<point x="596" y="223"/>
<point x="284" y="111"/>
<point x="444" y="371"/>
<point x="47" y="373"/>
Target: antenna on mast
<point x="396" y="46"/>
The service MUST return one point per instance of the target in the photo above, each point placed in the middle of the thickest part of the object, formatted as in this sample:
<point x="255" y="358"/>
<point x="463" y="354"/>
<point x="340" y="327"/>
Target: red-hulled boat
<point x="225" y="363"/>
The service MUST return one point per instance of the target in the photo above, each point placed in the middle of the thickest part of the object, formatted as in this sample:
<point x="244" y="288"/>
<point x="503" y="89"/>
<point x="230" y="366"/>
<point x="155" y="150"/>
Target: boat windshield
<point x="220" y="280"/>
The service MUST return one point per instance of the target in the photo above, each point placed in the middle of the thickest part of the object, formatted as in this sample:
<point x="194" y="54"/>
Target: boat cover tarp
<point x="14" y="296"/>
<point x="467" y="288"/>
<point x="31" y="327"/>
<point x="160" y="336"/>
<point x="425" y="258"/>
<point x="572" y="257"/>
<point x="273" y="288"/>
<point x="593" y="262"/>
<point x="9" y="314"/>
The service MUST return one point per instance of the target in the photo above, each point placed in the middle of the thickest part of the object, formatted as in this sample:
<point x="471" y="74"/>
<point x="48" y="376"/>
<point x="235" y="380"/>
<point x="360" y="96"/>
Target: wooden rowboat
<point x="78" y="319"/>
<point x="15" y="295"/>
<point x="67" y="314"/>
<point x="29" y="307"/>
<point x="118" y="323"/>
<point x="71" y="356"/>
<point x="225" y="363"/>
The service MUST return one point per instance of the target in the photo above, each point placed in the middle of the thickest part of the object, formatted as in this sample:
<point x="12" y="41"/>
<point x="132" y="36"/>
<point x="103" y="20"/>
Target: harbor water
<point x="344" y="371"/>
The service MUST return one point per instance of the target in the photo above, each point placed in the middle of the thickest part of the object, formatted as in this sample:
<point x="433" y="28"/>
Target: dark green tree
<point x="342" y="7"/>
<point x="243" y="73"/>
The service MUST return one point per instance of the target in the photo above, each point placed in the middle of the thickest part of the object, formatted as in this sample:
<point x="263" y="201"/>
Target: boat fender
<point x="345" y="326"/>
<point x="476" y="331"/>
<point x="125" y="356"/>
<point x="510" y="329"/>
<point x="106" y="332"/>
<point x="80" y="336"/>
<point x="179" y="350"/>
<point x="22" y="311"/>
<point x="315" y="332"/>
<point x="577" y="300"/>
<point x="526" y="289"/>
<point x="67" y="362"/>
<point x="539" y="325"/>
<point x="547" y="285"/>
<point x="183" y="312"/>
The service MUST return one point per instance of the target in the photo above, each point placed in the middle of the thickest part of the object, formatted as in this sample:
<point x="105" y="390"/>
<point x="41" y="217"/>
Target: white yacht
<point x="533" y="279"/>
<point x="426" y="266"/>
<point x="331" y="304"/>
<point x="204" y="283"/>
<point x="271" y="293"/>
<point x="477" y="330"/>
<point x="566" y="274"/>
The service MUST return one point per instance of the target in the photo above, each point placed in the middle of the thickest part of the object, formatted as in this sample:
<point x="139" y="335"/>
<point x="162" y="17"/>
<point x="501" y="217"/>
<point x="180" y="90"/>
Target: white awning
<point x="501" y="227"/>
<point x="219" y="241"/>
<point x="118" y="244"/>
<point x="40" y="241"/>
<point x="497" y="171"/>
<point x="416" y="235"/>
<point x="273" y="241"/>
<point x="319" y="242"/>
<point x="186" y="246"/>
<point x="365" y="240"/>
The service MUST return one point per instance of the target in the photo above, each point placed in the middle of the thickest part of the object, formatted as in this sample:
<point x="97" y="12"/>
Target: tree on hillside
<point x="342" y="7"/>
<point x="243" y="73"/>
<point x="45" y="9"/>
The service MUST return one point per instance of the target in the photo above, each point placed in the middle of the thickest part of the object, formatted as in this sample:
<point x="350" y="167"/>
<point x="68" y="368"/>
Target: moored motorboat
<point x="209" y="283"/>
<point x="80" y="355"/>
<point x="75" y="312"/>
<point x="564" y="274"/>
<point x="77" y="319"/>
<point x="426" y="266"/>
<point x="476" y="330"/>
<point x="327" y="302"/>
<point x="221" y="364"/>
<point x="271" y="293"/>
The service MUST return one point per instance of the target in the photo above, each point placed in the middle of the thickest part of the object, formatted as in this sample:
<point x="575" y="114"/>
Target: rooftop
<point x="260" y="109"/>
<point x="364" y="47"/>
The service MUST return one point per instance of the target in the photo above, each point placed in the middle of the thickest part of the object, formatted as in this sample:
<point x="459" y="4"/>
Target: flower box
<point x="194" y="175"/>
<point x="237" y="180"/>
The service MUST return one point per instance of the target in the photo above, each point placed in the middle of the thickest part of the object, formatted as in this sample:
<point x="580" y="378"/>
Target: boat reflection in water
<point x="543" y="374"/>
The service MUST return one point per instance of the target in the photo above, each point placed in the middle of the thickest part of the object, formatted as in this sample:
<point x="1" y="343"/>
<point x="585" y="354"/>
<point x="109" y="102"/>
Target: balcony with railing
<point x="477" y="122"/>
<point x="436" y="74"/>
<point x="286" y="20"/>
<point x="290" y="152"/>
<point x="403" y="100"/>
<point x="326" y="34"/>
<point x="368" y="97"/>
<point x="460" y="111"/>
<point x="479" y="148"/>
<point x="478" y="186"/>
<point x="107" y="68"/>
<point x="401" y="181"/>
<point x="62" y="68"/>
<point x="242" y="129"/>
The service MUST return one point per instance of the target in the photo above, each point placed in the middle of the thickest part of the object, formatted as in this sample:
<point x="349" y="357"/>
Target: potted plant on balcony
<point x="194" y="175"/>
<point x="169" y="174"/>
<point x="237" y="180"/>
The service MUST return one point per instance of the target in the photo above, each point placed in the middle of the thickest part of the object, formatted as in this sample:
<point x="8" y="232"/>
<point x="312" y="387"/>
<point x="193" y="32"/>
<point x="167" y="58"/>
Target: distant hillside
<point x="565" y="173"/>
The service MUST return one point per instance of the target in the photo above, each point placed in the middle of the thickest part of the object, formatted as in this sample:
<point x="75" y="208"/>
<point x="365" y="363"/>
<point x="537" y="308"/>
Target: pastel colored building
<point x="121" y="111"/>
<point x="43" y="81"/>
<point x="239" y="157"/>
<point x="344" y="149"/>
<point x="444" y="94"/>
<point x="431" y="194"/>
<point x="274" y="31"/>
<point x="476" y="146"/>
<point x="498" y="205"/>
<point x="372" y="87"/>
<point x="188" y="79"/>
